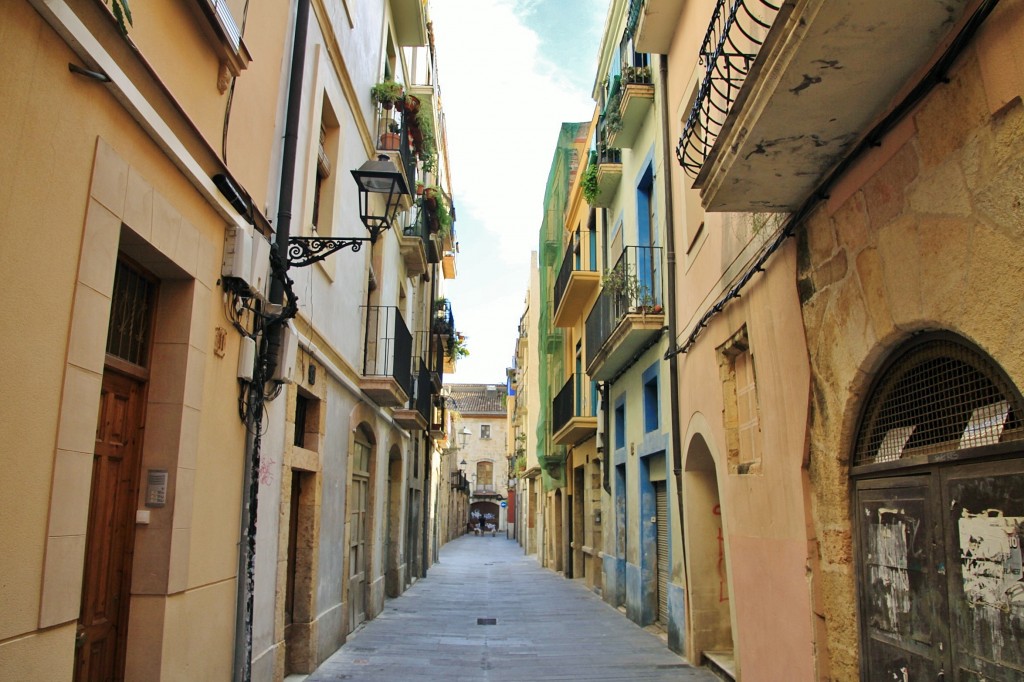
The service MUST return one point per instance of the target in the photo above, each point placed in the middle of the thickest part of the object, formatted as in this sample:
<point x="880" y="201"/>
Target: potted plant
<point x="456" y="348"/>
<point x="387" y="92"/>
<point x="391" y="140"/>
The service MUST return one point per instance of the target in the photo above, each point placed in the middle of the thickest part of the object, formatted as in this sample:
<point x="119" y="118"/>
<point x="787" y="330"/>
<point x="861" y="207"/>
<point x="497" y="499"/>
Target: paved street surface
<point x="548" y="628"/>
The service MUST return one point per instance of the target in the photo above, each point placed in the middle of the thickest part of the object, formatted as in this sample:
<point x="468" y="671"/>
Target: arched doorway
<point x="938" y="478"/>
<point x="706" y="553"/>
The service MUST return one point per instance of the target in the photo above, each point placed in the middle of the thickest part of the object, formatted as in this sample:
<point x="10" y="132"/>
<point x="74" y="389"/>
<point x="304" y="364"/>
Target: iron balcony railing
<point x="580" y="256"/>
<point x="632" y="285"/>
<point x="430" y="356"/>
<point x="393" y="136"/>
<point x="570" y="403"/>
<point x="734" y="38"/>
<point x="387" y="346"/>
<point x="424" y="390"/>
<point x="443" y="322"/>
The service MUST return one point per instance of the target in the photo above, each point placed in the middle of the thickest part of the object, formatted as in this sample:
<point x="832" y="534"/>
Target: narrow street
<point x="547" y="628"/>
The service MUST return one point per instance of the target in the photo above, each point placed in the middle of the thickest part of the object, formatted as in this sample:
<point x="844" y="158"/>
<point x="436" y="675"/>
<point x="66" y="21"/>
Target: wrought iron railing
<point x="632" y="285"/>
<point x="563" y="406"/>
<point x="580" y="256"/>
<point x="430" y="355"/>
<point x="734" y="38"/>
<point x="393" y="136"/>
<point x="387" y="345"/>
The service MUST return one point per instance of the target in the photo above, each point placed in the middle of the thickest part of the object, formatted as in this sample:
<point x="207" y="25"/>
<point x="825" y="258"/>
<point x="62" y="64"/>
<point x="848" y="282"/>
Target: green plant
<point x="625" y="286"/>
<point x="457" y="346"/>
<point x="426" y="149"/>
<point x="393" y="127"/>
<point x="588" y="182"/>
<point x="436" y="205"/>
<point x="636" y="74"/>
<point x="387" y="92"/>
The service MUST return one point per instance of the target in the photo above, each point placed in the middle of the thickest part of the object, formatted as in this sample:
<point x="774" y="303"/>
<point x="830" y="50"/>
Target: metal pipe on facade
<point x="267" y="360"/>
<point x="670" y="251"/>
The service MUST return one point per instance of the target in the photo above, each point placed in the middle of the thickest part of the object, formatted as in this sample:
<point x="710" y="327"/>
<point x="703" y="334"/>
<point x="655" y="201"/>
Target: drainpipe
<point x="266" y="363"/>
<point x="670" y="249"/>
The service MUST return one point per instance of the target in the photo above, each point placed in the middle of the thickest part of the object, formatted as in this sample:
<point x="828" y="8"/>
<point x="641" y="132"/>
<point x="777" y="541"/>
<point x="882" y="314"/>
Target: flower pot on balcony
<point x="390" y="142"/>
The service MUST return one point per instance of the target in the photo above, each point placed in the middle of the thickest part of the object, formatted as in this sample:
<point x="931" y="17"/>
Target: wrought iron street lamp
<point x="378" y="176"/>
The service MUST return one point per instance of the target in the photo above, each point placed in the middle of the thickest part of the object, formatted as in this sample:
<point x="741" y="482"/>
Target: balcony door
<point x="359" y="532"/>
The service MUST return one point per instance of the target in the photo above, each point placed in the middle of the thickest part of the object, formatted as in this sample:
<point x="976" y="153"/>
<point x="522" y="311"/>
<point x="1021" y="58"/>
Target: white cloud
<point x="504" y="102"/>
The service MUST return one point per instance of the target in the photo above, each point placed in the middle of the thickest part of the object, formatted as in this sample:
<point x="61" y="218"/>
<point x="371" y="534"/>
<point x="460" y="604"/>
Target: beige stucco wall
<point x="925" y="233"/>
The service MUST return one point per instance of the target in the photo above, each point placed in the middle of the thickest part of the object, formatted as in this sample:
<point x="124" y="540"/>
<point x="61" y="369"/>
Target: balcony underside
<point x="826" y="73"/>
<point x="578" y="292"/>
<point x="575" y="430"/>
<point x="410" y="22"/>
<point x="659" y="20"/>
<point x="413" y="253"/>
<point x="410" y="420"/>
<point x="608" y="177"/>
<point x="633" y="332"/>
<point x="448" y="265"/>
<point x="384" y="391"/>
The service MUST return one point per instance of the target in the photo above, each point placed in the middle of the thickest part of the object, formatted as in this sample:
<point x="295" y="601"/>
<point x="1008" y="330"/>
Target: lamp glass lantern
<point x="380" y="177"/>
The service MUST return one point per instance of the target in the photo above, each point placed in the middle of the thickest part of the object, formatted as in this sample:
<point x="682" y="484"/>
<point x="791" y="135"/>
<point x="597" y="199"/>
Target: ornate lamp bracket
<point x="303" y="251"/>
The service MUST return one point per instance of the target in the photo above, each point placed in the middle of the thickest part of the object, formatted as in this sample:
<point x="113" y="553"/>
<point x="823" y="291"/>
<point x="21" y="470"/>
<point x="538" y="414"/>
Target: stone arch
<point x="710" y="624"/>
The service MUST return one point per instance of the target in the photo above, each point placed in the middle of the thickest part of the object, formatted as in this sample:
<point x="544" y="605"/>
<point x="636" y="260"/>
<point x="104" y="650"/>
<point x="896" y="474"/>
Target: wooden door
<point x="358" y="515"/>
<point x="102" y="624"/>
<point x="901" y="576"/>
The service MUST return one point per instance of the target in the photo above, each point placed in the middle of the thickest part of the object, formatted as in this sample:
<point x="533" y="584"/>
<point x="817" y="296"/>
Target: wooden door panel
<point x="900" y="583"/>
<point x="114" y="488"/>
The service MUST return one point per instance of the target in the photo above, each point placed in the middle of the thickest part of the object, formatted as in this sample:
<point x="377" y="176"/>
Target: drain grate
<point x="486" y="621"/>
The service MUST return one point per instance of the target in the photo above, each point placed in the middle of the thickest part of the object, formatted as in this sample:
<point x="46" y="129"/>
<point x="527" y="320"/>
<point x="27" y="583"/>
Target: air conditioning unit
<point x="237" y="262"/>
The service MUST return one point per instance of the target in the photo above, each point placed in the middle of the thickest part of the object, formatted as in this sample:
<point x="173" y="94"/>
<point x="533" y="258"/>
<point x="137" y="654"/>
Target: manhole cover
<point x="486" y="621"/>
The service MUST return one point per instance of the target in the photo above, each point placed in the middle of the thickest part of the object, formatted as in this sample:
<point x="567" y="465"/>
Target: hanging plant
<point x="387" y="92"/>
<point x="588" y="182"/>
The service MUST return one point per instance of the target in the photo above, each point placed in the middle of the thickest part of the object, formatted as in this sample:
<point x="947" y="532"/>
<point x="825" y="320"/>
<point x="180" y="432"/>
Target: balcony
<point x="414" y="243"/>
<point x="392" y="140"/>
<point x="609" y="174"/>
<point x="578" y="278"/>
<point x="630" y="102"/>
<point x="448" y="265"/>
<point x="431" y="357"/>
<point x="387" y="356"/>
<point x="797" y="89"/>
<point x="628" y="315"/>
<point x="416" y="415"/>
<point x="573" y="415"/>
<point x="438" y="418"/>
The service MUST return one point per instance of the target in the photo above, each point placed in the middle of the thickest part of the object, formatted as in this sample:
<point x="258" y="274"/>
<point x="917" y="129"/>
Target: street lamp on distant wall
<point x="378" y="177"/>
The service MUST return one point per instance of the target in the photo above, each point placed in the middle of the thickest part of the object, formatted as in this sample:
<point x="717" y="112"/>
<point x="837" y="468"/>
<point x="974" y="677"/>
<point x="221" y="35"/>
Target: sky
<point x="510" y="73"/>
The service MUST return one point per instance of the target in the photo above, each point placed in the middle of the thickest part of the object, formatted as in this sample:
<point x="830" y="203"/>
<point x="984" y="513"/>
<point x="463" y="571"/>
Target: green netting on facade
<point x="551" y="340"/>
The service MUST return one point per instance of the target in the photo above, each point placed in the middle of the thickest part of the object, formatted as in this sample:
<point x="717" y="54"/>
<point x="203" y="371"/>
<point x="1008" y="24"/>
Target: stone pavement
<point x="547" y="628"/>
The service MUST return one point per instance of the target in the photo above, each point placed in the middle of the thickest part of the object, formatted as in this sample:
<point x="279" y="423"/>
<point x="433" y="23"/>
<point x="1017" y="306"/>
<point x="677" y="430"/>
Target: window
<point x="742" y="423"/>
<point x="484" y="473"/>
<point x="324" y="177"/>
<point x="651" y="405"/>
<point x="620" y="424"/>
<point x="485" y="430"/>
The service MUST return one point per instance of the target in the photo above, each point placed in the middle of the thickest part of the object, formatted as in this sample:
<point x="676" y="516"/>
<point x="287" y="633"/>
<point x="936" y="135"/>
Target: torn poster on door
<point x="990" y="559"/>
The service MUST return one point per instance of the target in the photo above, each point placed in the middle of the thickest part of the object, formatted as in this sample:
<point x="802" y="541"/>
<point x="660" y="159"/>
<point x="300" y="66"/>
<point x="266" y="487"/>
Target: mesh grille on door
<point x="661" y="503"/>
<point x="938" y="395"/>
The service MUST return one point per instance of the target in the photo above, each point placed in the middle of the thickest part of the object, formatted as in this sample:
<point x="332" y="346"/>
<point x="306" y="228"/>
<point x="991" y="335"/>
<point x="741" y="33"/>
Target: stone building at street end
<point x="227" y="447"/>
<point x="483" y="457"/>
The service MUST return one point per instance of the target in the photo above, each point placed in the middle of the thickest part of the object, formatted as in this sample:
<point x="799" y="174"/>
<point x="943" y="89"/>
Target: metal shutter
<point x="661" y="502"/>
